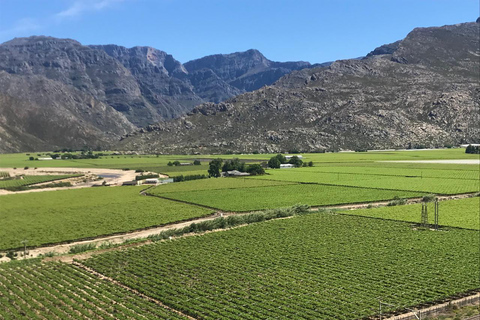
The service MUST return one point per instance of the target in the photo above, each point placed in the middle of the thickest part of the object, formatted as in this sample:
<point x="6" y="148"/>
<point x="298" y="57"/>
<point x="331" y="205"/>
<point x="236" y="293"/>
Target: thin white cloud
<point x="81" y="7"/>
<point x="77" y="9"/>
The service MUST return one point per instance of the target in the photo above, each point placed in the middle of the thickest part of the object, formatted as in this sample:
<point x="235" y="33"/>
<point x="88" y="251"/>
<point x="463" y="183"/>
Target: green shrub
<point x="82" y="248"/>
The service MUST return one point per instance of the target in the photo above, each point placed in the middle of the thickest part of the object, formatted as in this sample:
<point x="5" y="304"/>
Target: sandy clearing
<point x="458" y="161"/>
<point x="114" y="177"/>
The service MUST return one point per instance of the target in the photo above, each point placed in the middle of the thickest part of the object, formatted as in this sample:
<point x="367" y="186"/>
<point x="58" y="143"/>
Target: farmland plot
<point x="464" y="213"/>
<point x="60" y="291"/>
<point x="28" y="180"/>
<point x="318" y="266"/>
<point x="215" y="184"/>
<point x="464" y="182"/>
<point x="269" y="197"/>
<point x="57" y="216"/>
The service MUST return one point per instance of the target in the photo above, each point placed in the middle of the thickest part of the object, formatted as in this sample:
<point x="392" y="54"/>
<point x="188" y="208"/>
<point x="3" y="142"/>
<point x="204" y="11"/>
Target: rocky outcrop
<point x="423" y="93"/>
<point x="40" y="114"/>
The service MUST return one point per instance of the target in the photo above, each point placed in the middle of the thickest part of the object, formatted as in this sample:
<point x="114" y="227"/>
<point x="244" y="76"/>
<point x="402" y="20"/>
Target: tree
<point x="296" y="161"/>
<point x="234" y="164"/>
<point x="274" y="163"/>
<point x="255" y="169"/>
<point x="214" y="167"/>
<point x="281" y="158"/>
<point x="31" y="158"/>
<point x="196" y="162"/>
<point x="310" y="164"/>
<point x="170" y="163"/>
<point x="176" y="163"/>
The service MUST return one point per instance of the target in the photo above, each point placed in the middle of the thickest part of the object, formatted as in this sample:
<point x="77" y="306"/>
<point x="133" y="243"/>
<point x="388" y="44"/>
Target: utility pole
<point x="424" y="220"/>
<point x="436" y="214"/>
<point x="24" y="242"/>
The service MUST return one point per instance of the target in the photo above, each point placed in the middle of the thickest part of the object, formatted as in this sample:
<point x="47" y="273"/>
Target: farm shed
<point x="236" y="173"/>
<point x="131" y="183"/>
<point x="290" y="157"/>
<point x="287" y="166"/>
<point x="153" y="181"/>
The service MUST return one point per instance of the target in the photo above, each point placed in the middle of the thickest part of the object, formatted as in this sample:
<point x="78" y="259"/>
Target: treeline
<point x="279" y="159"/>
<point x="472" y="149"/>
<point x="217" y="166"/>
<point x="182" y="178"/>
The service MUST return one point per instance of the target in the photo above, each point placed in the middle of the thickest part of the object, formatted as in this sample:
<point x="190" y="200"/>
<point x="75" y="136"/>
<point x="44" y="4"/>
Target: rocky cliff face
<point x="133" y="87"/>
<point x="422" y="91"/>
<point x="41" y="114"/>
<point x="243" y="71"/>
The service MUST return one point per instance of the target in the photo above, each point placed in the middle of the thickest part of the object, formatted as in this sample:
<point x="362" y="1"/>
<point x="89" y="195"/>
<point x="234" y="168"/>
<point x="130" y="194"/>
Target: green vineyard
<point x="29" y="180"/>
<point x="318" y="266"/>
<point x="61" y="291"/>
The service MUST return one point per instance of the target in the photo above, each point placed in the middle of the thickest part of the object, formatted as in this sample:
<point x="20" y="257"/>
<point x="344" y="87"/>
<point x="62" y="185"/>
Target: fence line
<point x="436" y="309"/>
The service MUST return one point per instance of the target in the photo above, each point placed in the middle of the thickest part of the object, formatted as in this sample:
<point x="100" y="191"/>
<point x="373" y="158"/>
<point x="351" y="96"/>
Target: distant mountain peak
<point x="24" y="41"/>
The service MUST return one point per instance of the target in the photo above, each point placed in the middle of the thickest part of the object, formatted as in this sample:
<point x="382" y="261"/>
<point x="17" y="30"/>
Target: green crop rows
<point x="56" y="216"/>
<point x="28" y="180"/>
<point x="61" y="291"/>
<point x="380" y="177"/>
<point x="269" y="197"/>
<point x="317" y="266"/>
<point x="215" y="184"/>
<point x="462" y="213"/>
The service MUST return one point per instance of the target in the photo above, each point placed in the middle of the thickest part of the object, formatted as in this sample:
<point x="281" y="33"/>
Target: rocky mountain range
<point x="422" y="91"/>
<point x="59" y="93"/>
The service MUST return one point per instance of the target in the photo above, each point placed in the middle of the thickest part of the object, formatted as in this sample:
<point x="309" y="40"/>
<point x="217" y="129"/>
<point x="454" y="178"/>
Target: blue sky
<point x="283" y="30"/>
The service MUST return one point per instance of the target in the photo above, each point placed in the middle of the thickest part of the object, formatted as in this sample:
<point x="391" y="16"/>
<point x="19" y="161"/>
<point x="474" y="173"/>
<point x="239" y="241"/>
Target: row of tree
<point x="279" y="159"/>
<point x="177" y="163"/>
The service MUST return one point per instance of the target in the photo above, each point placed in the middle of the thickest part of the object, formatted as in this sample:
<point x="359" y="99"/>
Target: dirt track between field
<point x="64" y="248"/>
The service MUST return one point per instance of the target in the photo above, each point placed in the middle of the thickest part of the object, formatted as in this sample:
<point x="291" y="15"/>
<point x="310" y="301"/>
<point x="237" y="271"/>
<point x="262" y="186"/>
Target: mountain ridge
<point x="139" y="86"/>
<point x="421" y="92"/>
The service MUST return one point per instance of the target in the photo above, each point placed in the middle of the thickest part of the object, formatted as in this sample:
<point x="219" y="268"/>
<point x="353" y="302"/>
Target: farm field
<point x="463" y="213"/>
<point x="269" y="197"/>
<point x="379" y="177"/>
<point x="317" y="266"/>
<point x="57" y="216"/>
<point x="28" y="180"/>
<point x="215" y="184"/>
<point x="61" y="291"/>
<point x="152" y="161"/>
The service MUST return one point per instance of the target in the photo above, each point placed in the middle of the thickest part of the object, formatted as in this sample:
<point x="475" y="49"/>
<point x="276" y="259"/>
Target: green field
<point x="57" y="216"/>
<point x="20" y="160"/>
<point x="433" y="180"/>
<point x="214" y="184"/>
<point x="29" y="180"/>
<point x="317" y="266"/>
<point x="464" y="213"/>
<point x="61" y="291"/>
<point x="269" y="197"/>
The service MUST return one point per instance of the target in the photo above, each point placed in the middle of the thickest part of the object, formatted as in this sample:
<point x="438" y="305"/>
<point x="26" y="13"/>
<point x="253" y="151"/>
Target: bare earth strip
<point x="112" y="177"/>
